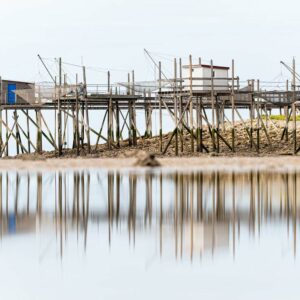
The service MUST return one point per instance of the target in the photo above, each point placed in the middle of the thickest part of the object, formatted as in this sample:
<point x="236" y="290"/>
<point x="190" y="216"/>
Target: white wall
<point x="203" y="72"/>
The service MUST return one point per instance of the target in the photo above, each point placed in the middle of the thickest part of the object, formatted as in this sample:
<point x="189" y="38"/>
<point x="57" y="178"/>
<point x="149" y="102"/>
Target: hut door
<point x="11" y="96"/>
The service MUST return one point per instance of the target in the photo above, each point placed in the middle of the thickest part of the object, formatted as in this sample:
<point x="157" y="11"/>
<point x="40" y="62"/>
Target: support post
<point x="77" y="118"/>
<point x="39" y="144"/>
<point x="294" y="108"/>
<point x="160" y="109"/>
<point x="118" y="133"/>
<point x="286" y="110"/>
<point x="212" y="97"/>
<point x="258" y="117"/>
<point x="109" y="119"/>
<point x="191" y="102"/>
<point x="86" y="111"/>
<point x="6" y="133"/>
<point x="175" y="107"/>
<point x="59" y="129"/>
<point x="232" y="108"/>
<point x="134" y="134"/>
<point x="28" y="132"/>
<point x="180" y="106"/>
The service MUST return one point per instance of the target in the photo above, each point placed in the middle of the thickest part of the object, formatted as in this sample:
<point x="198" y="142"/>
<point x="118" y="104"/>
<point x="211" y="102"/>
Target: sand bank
<point x="243" y="164"/>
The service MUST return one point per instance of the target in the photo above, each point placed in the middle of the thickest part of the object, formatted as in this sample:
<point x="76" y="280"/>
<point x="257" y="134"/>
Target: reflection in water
<point x="190" y="214"/>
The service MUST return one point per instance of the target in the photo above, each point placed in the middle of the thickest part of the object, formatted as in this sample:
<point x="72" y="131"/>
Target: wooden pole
<point x="286" y="110"/>
<point x="180" y="106"/>
<point x="109" y="119"/>
<point x="212" y="97"/>
<point x="1" y="138"/>
<point x="218" y="123"/>
<point x="118" y="133"/>
<point x="294" y="108"/>
<point x="130" y="141"/>
<point x="232" y="107"/>
<point x="39" y="144"/>
<point x="191" y="103"/>
<point x="17" y="132"/>
<point x="59" y="129"/>
<point x="201" y="125"/>
<point x="28" y="133"/>
<point x="250" y="97"/>
<point x="175" y="107"/>
<point x="86" y="110"/>
<point x="134" y="134"/>
<point x="160" y="109"/>
<point x="6" y="134"/>
<point x="77" y="118"/>
<point x="258" y="117"/>
<point x="108" y="82"/>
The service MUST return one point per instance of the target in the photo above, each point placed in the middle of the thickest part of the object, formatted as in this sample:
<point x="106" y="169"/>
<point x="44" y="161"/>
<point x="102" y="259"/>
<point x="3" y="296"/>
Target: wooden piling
<point x="232" y="108"/>
<point x="258" y="117"/>
<point x="28" y="132"/>
<point x="39" y="143"/>
<point x="109" y="121"/>
<point x="6" y="134"/>
<point x="294" y="108"/>
<point x="191" y="102"/>
<point x="134" y="131"/>
<point x="160" y="109"/>
<point x="175" y="107"/>
<point x="87" y="123"/>
<point x="212" y="97"/>
<point x="118" y="132"/>
<point x="180" y="106"/>
<point x="77" y="118"/>
<point x="59" y="129"/>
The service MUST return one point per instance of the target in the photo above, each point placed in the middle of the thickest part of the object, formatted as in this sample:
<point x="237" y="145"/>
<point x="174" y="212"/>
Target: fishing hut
<point x="16" y="92"/>
<point x="204" y="103"/>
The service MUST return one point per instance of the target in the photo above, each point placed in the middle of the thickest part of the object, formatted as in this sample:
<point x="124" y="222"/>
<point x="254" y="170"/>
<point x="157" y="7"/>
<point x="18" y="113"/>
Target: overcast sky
<point x="113" y="33"/>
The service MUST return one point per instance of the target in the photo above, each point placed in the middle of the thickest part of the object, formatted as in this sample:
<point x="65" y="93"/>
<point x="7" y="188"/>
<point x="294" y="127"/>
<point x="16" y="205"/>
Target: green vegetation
<point x="280" y="117"/>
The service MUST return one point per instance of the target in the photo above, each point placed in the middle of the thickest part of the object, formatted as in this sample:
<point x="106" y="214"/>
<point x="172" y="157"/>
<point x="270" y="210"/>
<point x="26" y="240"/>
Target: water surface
<point x="149" y="235"/>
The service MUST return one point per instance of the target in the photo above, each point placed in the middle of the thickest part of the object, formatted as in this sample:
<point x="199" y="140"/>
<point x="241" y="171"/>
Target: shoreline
<point x="201" y="163"/>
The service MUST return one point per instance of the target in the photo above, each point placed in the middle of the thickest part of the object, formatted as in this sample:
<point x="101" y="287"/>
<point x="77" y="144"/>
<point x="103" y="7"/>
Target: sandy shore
<point x="240" y="164"/>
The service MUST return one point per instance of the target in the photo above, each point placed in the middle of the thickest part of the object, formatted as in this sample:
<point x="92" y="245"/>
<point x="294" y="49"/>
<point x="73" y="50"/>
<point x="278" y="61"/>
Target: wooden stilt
<point x="160" y="108"/>
<point x="1" y="136"/>
<point x="39" y="145"/>
<point x="212" y="97"/>
<point x="109" y="120"/>
<point x="6" y="133"/>
<point x="201" y="125"/>
<point x="17" y="132"/>
<point x="118" y="133"/>
<point x="294" y="108"/>
<point x="258" y="118"/>
<point x="59" y="128"/>
<point x="134" y="131"/>
<point x="232" y="108"/>
<point x="28" y="132"/>
<point x="87" y="127"/>
<point x="250" y="97"/>
<point x="77" y="118"/>
<point x="180" y="105"/>
<point x="130" y="114"/>
<point x="175" y="107"/>
<point x="191" y="102"/>
<point x="287" y="114"/>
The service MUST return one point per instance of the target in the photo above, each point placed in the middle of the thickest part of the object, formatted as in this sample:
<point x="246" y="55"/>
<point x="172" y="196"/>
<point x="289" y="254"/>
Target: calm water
<point x="149" y="235"/>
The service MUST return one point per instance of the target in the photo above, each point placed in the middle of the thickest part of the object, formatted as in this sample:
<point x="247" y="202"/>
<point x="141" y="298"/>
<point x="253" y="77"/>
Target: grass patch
<point x="280" y="117"/>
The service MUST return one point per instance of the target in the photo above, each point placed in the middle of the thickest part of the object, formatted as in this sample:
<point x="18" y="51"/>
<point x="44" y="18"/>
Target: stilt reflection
<point x="188" y="214"/>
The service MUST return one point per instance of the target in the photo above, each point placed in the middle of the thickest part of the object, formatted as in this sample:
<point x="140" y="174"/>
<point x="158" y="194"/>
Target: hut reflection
<point x="193" y="213"/>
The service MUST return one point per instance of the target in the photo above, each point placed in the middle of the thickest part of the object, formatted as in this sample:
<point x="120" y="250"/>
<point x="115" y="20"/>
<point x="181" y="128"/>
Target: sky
<point x="112" y="35"/>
